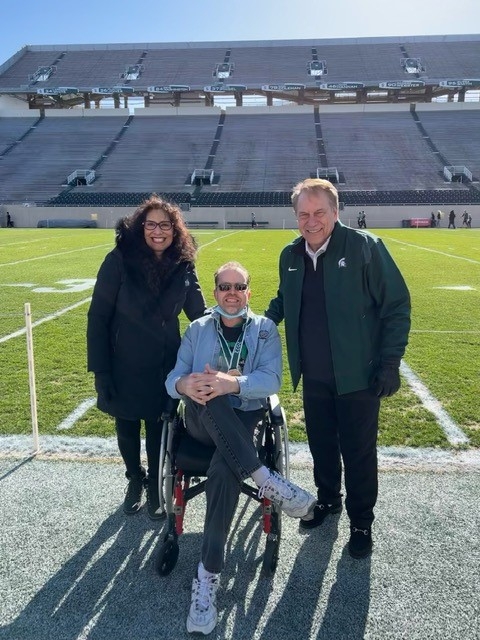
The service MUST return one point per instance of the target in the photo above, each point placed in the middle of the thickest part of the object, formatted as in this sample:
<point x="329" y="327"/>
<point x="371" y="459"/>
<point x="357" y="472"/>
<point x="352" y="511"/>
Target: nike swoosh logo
<point x="290" y="269"/>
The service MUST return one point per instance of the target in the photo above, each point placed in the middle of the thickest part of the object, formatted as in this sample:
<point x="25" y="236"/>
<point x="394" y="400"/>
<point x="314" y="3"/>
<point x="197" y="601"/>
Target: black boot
<point x="133" y="494"/>
<point x="360" y="544"/>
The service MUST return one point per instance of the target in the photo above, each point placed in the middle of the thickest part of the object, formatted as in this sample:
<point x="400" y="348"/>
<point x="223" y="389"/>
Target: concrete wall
<point x="277" y="217"/>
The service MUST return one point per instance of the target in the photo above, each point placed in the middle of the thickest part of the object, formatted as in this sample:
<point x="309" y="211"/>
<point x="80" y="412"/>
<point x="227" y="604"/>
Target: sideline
<point x="106" y="449"/>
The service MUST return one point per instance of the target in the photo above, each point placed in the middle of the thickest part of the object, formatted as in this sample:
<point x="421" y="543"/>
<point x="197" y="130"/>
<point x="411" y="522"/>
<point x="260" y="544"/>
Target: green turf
<point x="443" y="351"/>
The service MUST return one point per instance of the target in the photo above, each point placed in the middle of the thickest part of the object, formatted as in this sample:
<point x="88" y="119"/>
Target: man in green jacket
<point x="347" y="317"/>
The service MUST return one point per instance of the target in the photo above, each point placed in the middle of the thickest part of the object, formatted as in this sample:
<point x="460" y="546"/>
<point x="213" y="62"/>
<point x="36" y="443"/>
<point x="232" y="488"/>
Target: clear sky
<point x="108" y="21"/>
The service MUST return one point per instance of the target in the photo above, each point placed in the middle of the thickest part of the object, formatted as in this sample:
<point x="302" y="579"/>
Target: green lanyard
<point x="232" y="356"/>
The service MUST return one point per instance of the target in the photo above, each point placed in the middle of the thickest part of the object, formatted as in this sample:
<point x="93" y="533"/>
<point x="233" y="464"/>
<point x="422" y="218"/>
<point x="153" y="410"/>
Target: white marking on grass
<point x="460" y="287"/>
<point x="403" y="458"/>
<point x="441" y="253"/>
<point x="53" y="255"/>
<point x="389" y="458"/>
<point x="53" y="316"/>
<point x="27" y="285"/>
<point x="76" y="414"/>
<point x="453" y="432"/>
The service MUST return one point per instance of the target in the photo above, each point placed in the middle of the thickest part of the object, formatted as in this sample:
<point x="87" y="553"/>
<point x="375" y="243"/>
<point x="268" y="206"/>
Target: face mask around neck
<point x="241" y="314"/>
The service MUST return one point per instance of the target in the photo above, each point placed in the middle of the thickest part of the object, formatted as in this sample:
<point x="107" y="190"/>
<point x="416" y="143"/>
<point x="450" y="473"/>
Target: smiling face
<point x="316" y="217"/>
<point x="231" y="301"/>
<point x="158" y="239"/>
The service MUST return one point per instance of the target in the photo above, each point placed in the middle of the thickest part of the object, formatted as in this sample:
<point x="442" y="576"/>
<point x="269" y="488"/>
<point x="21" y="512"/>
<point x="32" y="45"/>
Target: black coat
<point x="134" y="334"/>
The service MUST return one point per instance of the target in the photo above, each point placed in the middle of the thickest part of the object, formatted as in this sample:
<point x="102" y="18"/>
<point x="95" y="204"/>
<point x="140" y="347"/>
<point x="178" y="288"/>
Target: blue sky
<point x="108" y="21"/>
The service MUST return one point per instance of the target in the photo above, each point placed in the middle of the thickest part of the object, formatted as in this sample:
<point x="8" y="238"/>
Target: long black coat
<point x="135" y="334"/>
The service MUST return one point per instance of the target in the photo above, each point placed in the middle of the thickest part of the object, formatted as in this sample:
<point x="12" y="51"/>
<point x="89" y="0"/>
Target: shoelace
<point x="278" y="485"/>
<point x="203" y="592"/>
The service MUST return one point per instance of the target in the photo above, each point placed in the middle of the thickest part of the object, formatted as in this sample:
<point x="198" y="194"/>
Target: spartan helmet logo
<point x="342" y="263"/>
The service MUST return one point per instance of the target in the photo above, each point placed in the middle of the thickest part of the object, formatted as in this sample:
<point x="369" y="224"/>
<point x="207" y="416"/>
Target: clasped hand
<point x="202" y="387"/>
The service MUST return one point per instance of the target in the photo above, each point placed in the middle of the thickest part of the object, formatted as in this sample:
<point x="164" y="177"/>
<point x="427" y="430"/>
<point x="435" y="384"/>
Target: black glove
<point x="104" y="385"/>
<point x="386" y="380"/>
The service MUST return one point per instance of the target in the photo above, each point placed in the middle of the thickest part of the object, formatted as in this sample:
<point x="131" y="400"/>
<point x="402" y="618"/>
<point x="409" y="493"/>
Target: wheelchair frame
<point x="177" y="487"/>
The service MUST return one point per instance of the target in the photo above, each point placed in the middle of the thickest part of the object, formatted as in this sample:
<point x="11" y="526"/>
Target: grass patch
<point x="441" y="267"/>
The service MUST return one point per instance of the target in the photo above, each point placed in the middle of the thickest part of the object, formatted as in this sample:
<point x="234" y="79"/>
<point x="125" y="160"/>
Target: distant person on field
<point x="432" y="220"/>
<point x="469" y="221"/>
<point x="346" y="309"/>
<point x="439" y="217"/>
<point x="133" y="334"/>
<point x="465" y="218"/>
<point x="361" y="220"/>
<point x="9" y="220"/>
<point x="451" y="219"/>
<point x="254" y="221"/>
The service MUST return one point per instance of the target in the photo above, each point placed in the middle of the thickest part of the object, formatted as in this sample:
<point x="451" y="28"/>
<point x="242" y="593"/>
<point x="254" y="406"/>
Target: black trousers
<point x="343" y="428"/>
<point x="129" y="442"/>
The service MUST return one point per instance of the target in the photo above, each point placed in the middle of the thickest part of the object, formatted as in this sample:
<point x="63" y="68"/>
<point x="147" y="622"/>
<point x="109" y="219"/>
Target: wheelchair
<point x="184" y="462"/>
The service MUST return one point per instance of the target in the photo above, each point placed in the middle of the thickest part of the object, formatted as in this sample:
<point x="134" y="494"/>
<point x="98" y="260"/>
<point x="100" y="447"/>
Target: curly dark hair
<point x="130" y="236"/>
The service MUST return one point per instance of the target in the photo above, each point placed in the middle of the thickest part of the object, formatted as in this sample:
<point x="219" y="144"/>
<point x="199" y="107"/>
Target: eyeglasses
<point x="151" y="225"/>
<point x="226" y="286"/>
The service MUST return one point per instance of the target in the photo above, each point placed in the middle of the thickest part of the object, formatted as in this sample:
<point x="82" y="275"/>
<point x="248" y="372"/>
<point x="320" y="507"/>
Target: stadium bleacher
<point x="383" y="154"/>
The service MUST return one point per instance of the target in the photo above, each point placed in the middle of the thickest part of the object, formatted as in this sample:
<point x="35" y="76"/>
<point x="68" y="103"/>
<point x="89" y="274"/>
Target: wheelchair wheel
<point x="270" y="556"/>
<point x="167" y="557"/>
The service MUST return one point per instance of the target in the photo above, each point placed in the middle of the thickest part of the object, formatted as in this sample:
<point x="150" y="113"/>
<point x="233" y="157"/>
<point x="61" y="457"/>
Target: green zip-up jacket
<point x="367" y="301"/>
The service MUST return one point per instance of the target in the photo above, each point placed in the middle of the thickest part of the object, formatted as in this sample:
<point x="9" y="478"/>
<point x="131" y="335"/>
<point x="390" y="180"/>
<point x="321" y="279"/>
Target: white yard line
<point x="76" y="414"/>
<point x="441" y="253"/>
<point x="53" y="255"/>
<point x="57" y="314"/>
<point x="453" y="432"/>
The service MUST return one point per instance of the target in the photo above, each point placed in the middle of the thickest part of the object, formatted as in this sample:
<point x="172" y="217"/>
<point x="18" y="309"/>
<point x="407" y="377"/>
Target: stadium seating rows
<point x="256" y="157"/>
<point x="255" y="64"/>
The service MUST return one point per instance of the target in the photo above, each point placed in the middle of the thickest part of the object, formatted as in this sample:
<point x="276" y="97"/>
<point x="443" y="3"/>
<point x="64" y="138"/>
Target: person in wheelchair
<point x="227" y="364"/>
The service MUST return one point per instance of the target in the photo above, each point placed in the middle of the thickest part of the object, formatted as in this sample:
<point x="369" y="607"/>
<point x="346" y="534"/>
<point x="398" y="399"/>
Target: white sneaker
<point x="202" y="616"/>
<point x="291" y="499"/>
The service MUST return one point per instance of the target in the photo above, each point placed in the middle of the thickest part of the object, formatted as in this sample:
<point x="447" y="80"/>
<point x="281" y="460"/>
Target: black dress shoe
<point x="360" y="544"/>
<point x="320" y="512"/>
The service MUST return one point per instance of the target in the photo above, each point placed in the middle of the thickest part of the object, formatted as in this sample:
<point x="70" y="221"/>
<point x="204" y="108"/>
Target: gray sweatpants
<point x="235" y="459"/>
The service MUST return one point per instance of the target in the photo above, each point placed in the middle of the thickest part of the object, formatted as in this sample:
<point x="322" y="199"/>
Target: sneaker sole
<point x="304" y="512"/>
<point x="193" y="628"/>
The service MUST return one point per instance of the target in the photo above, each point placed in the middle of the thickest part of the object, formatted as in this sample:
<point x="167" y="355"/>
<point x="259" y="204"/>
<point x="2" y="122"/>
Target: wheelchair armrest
<point x="275" y="409"/>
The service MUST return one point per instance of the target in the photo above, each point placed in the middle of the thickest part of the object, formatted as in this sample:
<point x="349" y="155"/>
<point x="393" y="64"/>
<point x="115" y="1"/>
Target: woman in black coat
<point x="133" y="333"/>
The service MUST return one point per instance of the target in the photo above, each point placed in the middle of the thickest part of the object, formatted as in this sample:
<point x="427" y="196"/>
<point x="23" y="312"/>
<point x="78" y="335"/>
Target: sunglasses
<point x="151" y="225"/>
<point x="226" y="286"/>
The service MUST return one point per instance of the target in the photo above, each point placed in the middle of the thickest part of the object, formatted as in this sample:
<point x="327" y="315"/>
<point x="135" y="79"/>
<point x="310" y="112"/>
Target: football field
<point x="55" y="269"/>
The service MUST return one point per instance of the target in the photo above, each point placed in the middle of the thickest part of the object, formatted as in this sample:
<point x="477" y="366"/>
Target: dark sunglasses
<point x="150" y="225"/>
<point x="226" y="286"/>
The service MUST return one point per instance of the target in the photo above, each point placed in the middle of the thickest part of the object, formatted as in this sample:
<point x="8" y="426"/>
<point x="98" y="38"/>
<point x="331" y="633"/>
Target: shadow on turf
<point x="109" y="588"/>
<point x="17" y="465"/>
